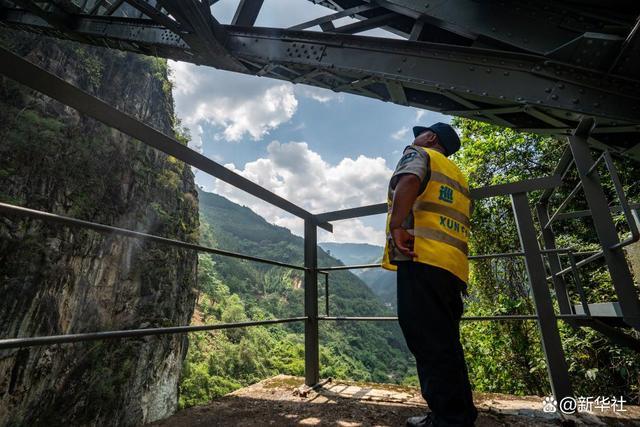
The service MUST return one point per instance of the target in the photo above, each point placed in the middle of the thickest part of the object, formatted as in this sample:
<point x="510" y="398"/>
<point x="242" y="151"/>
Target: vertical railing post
<point x="549" y="239"/>
<point x="311" y="346"/>
<point x="547" y="322"/>
<point x="604" y="225"/>
<point x="326" y="294"/>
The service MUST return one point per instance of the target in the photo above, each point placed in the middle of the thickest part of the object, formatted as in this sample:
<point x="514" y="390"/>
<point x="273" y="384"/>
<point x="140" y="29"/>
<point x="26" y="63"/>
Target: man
<point x="427" y="233"/>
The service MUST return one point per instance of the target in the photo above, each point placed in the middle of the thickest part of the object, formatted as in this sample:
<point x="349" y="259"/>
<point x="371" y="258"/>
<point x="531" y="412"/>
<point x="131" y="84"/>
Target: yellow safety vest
<point x="441" y="219"/>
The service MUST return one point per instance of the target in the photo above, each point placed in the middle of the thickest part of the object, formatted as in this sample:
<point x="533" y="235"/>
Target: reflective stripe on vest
<point x="440" y="177"/>
<point x="441" y="219"/>
<point x="443" y="237"/>
<point x="444" y="210"/>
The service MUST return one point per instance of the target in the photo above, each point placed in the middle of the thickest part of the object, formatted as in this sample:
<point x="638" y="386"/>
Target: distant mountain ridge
<point x="354" y="253"/>
<point x="381" y="282"/>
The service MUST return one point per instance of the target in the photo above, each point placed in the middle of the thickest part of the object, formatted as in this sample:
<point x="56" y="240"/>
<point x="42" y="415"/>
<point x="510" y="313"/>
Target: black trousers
<point x="429" y="310"/>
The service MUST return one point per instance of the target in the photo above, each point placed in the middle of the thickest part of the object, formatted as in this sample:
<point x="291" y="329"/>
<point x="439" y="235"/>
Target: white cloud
<point x="400" y="134"/>
<point x="236" y="103"/>
<point x="318" y="94"/>
<point x="196" y="139"/>
<point x="419" y="114"/>
<point x="354" y="231"/>
<point x="298" y="174"/>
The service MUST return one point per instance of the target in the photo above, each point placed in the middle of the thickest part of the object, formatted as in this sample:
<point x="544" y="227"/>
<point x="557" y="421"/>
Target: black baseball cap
<point x="447" y="136"/>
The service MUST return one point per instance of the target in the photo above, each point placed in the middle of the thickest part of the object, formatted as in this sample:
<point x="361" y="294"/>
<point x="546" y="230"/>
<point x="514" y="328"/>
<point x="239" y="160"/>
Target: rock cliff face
<point x="59" y="280"/>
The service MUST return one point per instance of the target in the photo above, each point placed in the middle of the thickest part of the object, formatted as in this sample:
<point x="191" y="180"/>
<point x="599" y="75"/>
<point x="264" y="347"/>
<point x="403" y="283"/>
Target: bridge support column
<point x="547" y="322"/>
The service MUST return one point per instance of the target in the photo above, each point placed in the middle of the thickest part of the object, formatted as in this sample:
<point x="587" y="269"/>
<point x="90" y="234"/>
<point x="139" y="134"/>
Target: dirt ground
<point x="278" y="401"/>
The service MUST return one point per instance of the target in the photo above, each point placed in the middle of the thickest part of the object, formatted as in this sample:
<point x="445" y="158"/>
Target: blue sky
<point x="322" y="150"/>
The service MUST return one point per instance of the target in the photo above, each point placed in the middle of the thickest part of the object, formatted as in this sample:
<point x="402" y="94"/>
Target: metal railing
<point x="60" y="219"/>
<point x="566" y="251"/>
<point x="566" y="165"/>
<point x="11" y="343"/>
<point x="35" y="77"/>
<point x="530" y="251"/>
<point x="542" y="299"/>
<point x="578" y="157"/>
<point x="629" y="211"/>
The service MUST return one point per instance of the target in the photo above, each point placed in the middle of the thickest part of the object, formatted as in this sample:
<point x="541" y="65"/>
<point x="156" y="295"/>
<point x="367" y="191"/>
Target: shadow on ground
<point x="277" y="401"/>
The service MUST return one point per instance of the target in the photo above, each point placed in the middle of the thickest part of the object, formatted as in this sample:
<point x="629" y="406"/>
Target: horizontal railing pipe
<point x="525" y="186"/>
<point x="347" y="267"/>
<point x="500" y="317"/>
<point x="498" y="255"/>
<point x="10" y="343"/>
<point x="584" y="213"/>
<point x="359" y="318"/>
<point x="359" y="212"/>
<point x="465" y="318"/>
<point x="471" y="258"/>
<point x="60" y="219"/>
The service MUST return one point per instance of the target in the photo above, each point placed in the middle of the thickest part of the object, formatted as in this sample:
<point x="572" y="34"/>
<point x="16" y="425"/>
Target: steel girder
<point x="538" y="67"/>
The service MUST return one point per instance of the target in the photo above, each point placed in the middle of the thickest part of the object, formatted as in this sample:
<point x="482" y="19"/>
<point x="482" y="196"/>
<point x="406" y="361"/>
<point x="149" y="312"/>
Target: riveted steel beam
<point x="366" y="24"/>
<point x="525" y="91"/>
<point x="156" y="15"/>
<point x="536" y="27"/>
<point x="485" y="74"/>
<point x="208" y="35"/>
<point x="53" y="16"/>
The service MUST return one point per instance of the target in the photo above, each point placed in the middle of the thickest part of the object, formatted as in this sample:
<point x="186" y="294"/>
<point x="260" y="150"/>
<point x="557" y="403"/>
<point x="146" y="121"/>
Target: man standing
<point x="427" y="232"/>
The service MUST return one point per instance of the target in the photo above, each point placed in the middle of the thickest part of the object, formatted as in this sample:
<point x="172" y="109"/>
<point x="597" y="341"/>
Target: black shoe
<point x="422" y="421"/>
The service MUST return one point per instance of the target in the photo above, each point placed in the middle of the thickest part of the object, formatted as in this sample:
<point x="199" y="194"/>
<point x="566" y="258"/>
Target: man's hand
<point x="404" y="195"/>
<point x="403" y="241"/>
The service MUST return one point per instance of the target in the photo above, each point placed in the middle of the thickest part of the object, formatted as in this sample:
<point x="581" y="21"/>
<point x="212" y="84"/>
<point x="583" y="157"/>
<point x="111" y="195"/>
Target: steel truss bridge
<point x="536" y="66"/>
<point x="565" y="68"/>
